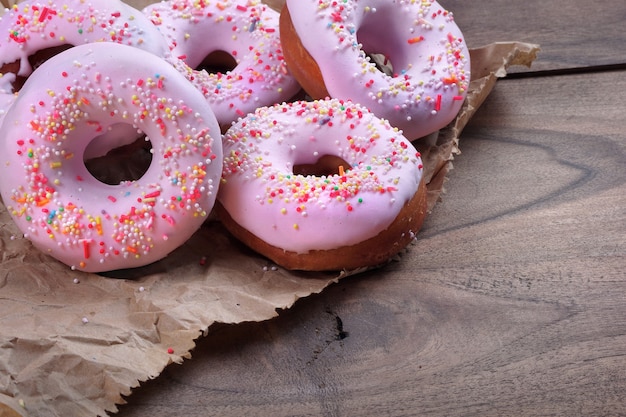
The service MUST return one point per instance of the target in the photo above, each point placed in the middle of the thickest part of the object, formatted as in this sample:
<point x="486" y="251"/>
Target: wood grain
<point x="573" y="34"/>
<point x="513" y="299"/>
<point x="511" y="302"/>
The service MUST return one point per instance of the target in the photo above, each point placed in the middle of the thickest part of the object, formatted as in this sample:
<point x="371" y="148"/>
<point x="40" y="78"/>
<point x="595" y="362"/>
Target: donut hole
<point x="383" y="63"/>
<point x="217" y="62"/>
<point x="124" y="163"/>
<point x="325" y="166"/>
<point x="35" y="60"/>
<point x="381" y="46"/>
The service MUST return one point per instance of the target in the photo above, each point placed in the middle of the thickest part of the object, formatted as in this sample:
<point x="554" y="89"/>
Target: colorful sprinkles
<point x="430" y="61"/>
<point x="260" y="176"/>
<point x="248" y="31"/>
<point x="30" y="26"/>
<point x="62" y="209"/>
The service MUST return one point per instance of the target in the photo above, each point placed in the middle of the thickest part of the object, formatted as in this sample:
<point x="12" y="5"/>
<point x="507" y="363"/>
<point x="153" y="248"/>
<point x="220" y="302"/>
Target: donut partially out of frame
<point x="65" y="211"/>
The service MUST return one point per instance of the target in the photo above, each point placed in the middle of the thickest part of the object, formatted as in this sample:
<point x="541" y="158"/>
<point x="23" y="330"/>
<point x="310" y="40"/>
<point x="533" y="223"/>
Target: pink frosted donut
<point x="247" y="31"/>
<point x="322" y="185"/>
<point x="64" y="210"/>
<point x="328" y="43"/>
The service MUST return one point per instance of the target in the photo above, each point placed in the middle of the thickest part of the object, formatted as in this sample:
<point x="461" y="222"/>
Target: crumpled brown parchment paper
<point x="73" y="343"/>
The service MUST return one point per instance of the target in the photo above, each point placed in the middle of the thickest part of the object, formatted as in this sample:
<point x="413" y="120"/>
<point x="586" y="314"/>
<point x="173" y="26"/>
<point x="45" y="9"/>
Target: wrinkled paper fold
<point x="73" y="343"/>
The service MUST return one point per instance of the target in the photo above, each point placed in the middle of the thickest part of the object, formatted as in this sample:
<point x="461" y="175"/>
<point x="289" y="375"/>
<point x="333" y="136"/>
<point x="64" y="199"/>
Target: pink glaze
<point x="431" y="62"/>
<point x="245" y="29"/>
<point x="301" y="213"/>
<point x="6" y="101"/>
<point x="60" y="206"/>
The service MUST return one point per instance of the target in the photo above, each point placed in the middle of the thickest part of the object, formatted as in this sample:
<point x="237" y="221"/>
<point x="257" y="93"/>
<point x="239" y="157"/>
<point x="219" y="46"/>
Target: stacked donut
<point x="299" y="144"/>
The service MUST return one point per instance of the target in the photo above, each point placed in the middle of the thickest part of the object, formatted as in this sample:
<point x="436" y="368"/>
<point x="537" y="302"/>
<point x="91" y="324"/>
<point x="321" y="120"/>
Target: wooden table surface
<point x="512" y="301"/>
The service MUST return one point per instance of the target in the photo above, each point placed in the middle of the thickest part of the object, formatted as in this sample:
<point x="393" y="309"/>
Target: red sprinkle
<point x="43" y="14"/>
<point x="438" y="102"/>
<point x="86" y="248"/>
<point x="415" y="40"/>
